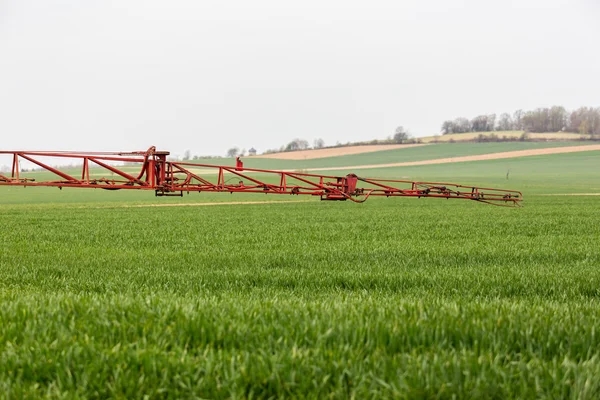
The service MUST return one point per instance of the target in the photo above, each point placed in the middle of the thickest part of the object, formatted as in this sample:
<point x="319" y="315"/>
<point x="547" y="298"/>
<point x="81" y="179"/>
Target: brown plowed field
<point x="338" y="151"/>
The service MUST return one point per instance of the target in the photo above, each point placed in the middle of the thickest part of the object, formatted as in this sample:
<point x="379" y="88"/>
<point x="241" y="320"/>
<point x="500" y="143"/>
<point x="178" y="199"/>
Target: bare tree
<point x="462" y="125"/>
<point x="585" y="120"/>
<point x="537" y="120"/>
<point x="319" y="143"/>
<point x="297" y="144"/>
<point x="233" y="152"/>
<point x="584" y="127"/>
<point x="447" y="127"/>
<point x="595" y="121"/>
<point x="479" y="123"/>
<point x="518" y="120"/>
<point x="187" y="155"/>
<point x="491" y="122"/>
<point x="401" y="135"/>
<point x="557" y="119"/>
<point x="505" y="123"/>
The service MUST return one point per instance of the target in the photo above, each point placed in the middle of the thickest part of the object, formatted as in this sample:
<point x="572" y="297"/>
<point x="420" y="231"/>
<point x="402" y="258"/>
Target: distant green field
<point x="402" y="298"/>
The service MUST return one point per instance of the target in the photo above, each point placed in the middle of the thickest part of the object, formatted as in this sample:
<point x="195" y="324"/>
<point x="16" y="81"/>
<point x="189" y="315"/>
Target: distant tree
<point x="584" y="128"/>
<point x="575" y="120"/>
<point x="297" y="144"/>
<point x="528" y="121"/>
<point x="557" y="119"/>
<point x="319" y="143"/>
<point x="491" y="122"/>
<point x="233" y="152"/>
<point x="585" y="120"/>
<point x="518" y="121"/>
<point x="187" y="155"/>
<point x="401" y="135"/>
<point x="458" y="125"/>
<point x="595" y="121"/>
<point x="462" y="125"/>
<point x="447" y="127"/>
<point x="537" y="120"/>
<point x="505" y="123"/>
<point x="479" y="123"/>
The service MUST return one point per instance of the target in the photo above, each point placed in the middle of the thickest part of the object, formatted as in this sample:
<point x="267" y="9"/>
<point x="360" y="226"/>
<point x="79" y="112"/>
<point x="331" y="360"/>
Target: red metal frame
<point x="172" y="178"/>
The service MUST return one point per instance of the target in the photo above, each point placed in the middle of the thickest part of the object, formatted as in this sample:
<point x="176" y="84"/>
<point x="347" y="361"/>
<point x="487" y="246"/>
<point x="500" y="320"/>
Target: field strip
<point x="337" y="151"/>
<point x="224" y="203"/>
<point x="481" y="157"/>
<point x="571" y="194"/>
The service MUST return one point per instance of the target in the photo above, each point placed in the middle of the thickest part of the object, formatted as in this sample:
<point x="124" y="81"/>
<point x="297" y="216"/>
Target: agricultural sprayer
<point x="172" y="178"/>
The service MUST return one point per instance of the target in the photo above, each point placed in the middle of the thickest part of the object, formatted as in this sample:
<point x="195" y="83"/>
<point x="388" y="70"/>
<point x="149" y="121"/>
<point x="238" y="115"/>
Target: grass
<point x="397" y="298"/>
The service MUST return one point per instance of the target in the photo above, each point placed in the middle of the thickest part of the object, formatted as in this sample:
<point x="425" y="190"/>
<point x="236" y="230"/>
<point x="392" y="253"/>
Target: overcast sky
<point x="209" y="75"/>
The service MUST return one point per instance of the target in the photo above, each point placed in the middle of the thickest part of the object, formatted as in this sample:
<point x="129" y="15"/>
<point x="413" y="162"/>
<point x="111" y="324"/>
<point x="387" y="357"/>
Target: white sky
<point x="208" y="75"/>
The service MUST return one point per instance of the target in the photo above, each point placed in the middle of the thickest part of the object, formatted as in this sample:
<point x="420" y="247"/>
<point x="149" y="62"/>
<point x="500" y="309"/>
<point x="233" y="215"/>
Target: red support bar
<point x="85" y="173"/>
<point x="282" y="182"/>
<point x="49" y="168"/>
<point x="15" y="166"/>
<point x="125" y="175"/>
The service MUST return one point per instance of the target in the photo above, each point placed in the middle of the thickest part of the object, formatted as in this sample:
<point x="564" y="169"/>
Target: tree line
<point x="584" y="120"/>
<point x="294" y="145"/>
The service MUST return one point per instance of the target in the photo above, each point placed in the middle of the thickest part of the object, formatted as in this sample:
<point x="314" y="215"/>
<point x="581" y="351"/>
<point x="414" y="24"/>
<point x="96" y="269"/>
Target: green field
<point x="401" y="298"/>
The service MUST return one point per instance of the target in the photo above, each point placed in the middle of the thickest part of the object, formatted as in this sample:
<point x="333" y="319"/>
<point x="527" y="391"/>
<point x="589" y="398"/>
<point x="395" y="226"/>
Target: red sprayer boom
<point x="172" y="178"/>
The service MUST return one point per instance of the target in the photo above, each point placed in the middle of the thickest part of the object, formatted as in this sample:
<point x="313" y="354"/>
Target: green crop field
<point x="103" y="295"/>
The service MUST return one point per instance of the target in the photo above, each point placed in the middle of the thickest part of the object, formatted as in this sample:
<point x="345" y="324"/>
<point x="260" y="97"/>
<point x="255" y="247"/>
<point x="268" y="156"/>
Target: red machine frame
<point x="172" y="178"/>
